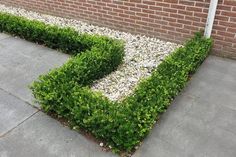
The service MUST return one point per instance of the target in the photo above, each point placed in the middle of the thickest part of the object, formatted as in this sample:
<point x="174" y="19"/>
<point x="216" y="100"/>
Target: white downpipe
<point x="210" y="18"/>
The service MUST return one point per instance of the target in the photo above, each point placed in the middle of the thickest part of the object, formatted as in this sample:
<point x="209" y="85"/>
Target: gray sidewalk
<point x="24" y="130"/>
<point x="201" y="122"/>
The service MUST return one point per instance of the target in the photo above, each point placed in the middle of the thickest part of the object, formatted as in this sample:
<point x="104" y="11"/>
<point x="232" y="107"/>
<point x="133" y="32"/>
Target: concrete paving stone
<point x="214" y="86"/>
<point x="200" y="122"/>
<point x="179" y="109"/>
<point x="177" y="128"/>
<point x="3" y="36"/>
<point x="156" y="147"/>
<point x="180" y="106"/>
<point x="43" y="136"/>
<point x="44" y="54"/>
<point x="214" y="114"/>
<point x="17" y="80"/>
<point x="199" y="111"/>
<point x="225" y="119"/>
<point x="12" y="112"/>
<point x="22" y="62"/>
<point x="188" y="135"/>
<point x="216" y="71"/>
<point x="220" y="143"/>
<point x="221" y="96"/>
<point x="22" y="53"/>
<point x="189" y="138"/>
<point x="217" y="68"/>
<point x="15" y="46"/>
<point x="19" y="85"/>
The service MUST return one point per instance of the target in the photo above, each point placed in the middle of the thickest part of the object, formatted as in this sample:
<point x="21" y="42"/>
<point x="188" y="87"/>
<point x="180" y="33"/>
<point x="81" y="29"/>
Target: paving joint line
<point x="19" y="124"/>
<point x="17" y="97"/>
<point x="37" y="110"/>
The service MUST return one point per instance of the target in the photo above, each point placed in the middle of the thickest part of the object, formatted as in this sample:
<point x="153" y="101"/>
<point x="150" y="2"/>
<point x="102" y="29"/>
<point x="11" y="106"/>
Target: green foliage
<point x="65" y="39"/>
<point x="123" y="125"/>
<point x="66" y="91"/>
<point x="155" y="94"/>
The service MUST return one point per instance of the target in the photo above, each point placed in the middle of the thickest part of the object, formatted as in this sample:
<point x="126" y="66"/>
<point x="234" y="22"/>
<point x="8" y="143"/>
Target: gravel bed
<point x="142" y="54"/>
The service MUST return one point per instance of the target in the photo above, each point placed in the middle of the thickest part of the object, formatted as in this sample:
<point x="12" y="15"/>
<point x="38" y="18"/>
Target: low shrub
<point x="66" y="91"/>
<point x="124" y="124"/>
<point x="65" y="39"/>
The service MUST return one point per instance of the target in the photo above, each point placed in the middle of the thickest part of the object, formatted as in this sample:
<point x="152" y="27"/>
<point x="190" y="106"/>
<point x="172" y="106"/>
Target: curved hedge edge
<point x="80" y="70"/>
<point x="95" y="56"/>
<point x="123" y="125"/>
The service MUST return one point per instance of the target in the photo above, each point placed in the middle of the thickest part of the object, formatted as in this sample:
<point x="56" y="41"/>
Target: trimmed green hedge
<point x="122" y="125"/>
<point x="95" y="56"/>
<point x="65" y="39"/>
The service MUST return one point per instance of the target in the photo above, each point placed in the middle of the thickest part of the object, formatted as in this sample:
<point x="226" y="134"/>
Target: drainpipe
<point x="210" y="18"/>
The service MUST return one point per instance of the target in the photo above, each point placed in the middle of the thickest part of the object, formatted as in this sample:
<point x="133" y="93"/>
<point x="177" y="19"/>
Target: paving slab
<point x="4" y="36"/>
<point x="201" y="121"/>
<point x="42" y="136"/>
<point x="215" y="82"/>
<point x="13" y="111"/>
<point x="21" y="63"/>
<point x="25" y="131"/>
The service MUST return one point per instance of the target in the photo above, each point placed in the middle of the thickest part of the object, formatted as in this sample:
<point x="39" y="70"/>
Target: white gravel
<point x="142" y="54"/>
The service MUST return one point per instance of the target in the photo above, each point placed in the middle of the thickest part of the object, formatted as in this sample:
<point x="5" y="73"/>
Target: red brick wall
<point x="173" y="20"/>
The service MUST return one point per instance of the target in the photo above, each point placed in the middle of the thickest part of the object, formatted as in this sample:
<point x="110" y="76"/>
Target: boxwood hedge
<point x="65" y="90"/>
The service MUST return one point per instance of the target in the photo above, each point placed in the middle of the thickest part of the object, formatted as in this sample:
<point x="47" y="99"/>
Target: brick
<point x="226" y="34"/>
<point x="191" y="18"/>
<point x="232" y="19"/>
<point x="230" y="2"/>
<point x="222" y="18"/>
<point x="223" y="43"/>
<point x="219" y="28"/>
<point x="202" y="4"/>
<point x="234" y="8"/>
<point x="171" y="1"/>
<point x="224" y="7"/>
<point x="181" y="30"/>
<point x="148" y="11"/>
<point x="176" y="25"/>
<point x="177" y="6"/>
<point x="193" y="8"/>
<point x="169" y="19"/>
<point x="186" y="22"/>
<point x="170" y="10"/>
<point x="184" y="12"/>
<point x="217" y="37"/>
<point x="162" y="4"/>
<point x="156" y="8"/>
<point x="149" y="2"/>
<point x="228" y="39"/>
<point x="231" y="30"/>
<point x="187" y="2"/>
<point x="227" y="24"/>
